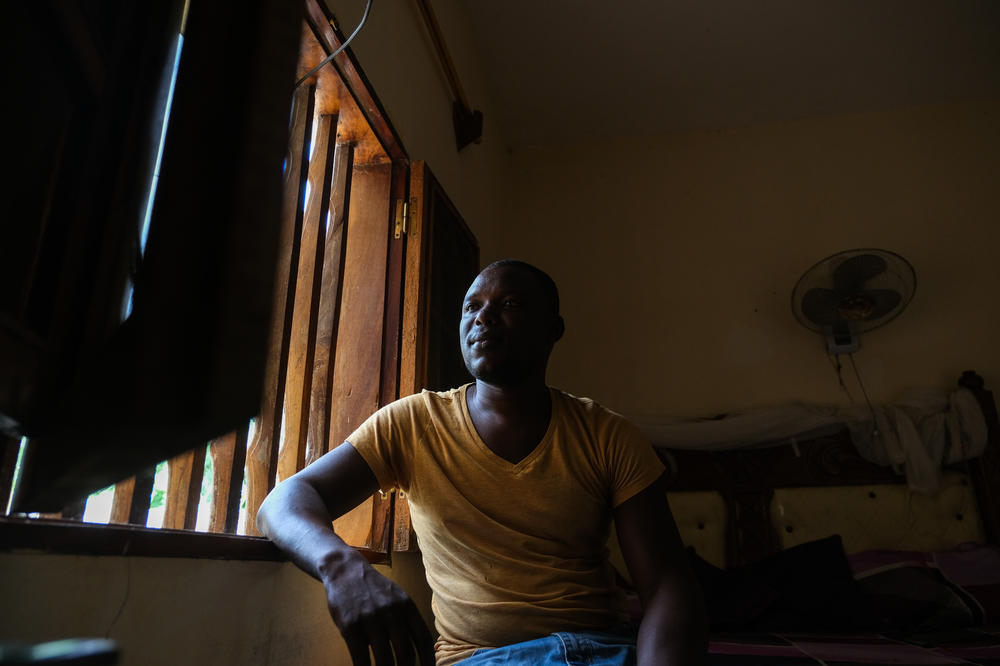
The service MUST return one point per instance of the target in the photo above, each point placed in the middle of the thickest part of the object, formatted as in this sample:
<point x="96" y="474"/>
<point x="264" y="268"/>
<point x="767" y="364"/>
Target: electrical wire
<point x="838" y="368"/>
<point x="865" y="393"/>
<point x="364" y="19"/>
<point x="128" y="590"/>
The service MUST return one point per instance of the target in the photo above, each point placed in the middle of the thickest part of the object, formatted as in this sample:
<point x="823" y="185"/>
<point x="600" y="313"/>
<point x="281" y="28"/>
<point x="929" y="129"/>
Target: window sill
<point x="72" y="537"/>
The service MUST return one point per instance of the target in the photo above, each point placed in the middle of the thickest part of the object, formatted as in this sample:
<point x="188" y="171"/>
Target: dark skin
<point x="371" y="612"/>
<point x="507" y="331"/>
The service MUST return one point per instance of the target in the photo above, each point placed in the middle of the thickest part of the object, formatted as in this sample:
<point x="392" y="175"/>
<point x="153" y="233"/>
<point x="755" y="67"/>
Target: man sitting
<point x="512" y="487"/>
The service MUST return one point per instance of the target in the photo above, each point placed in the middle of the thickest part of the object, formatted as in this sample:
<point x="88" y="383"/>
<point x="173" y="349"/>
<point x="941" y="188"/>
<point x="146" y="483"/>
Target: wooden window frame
<point x="263" y="462"/>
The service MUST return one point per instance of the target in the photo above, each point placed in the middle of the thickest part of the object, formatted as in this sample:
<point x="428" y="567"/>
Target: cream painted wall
<point x="677" y="254"/>
<point x="399" y="60"/>
<point x="181" y="611"/>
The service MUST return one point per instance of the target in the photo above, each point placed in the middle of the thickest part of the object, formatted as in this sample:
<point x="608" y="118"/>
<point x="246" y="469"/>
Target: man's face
<point x="508" y="326"/>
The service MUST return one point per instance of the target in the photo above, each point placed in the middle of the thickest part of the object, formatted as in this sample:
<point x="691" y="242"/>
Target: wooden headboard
<point x="747" y="481"/>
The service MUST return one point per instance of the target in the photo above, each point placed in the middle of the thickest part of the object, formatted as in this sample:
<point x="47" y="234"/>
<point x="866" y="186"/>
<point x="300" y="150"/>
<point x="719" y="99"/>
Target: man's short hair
<point x="547" y="284"/>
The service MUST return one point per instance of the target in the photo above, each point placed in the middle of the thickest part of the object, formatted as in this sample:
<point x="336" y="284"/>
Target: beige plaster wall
<point x="399" y="60"/>
<point x="677" y="255"/>
<point x="166" y="611"/>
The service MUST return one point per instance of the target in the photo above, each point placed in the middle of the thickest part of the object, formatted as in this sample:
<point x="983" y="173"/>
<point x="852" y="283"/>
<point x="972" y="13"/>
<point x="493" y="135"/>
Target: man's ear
<point x="559" y="328"/>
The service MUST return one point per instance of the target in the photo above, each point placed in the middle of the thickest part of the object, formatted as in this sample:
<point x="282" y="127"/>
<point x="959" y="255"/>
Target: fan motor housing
<point x="852" y="292"/>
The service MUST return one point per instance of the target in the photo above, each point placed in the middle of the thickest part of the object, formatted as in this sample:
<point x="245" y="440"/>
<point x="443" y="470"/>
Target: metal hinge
<point x="402" y="217"/>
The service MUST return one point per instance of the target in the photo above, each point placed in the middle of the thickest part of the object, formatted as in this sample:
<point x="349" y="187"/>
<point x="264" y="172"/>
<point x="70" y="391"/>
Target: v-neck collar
<point x="497" y="460"/>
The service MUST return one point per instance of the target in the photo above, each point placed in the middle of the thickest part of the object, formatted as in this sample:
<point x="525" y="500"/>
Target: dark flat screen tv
<point x="139" y="327"/>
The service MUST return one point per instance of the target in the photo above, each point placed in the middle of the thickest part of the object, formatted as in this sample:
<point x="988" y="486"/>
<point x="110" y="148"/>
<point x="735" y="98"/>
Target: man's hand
<point x="373" y="612"/>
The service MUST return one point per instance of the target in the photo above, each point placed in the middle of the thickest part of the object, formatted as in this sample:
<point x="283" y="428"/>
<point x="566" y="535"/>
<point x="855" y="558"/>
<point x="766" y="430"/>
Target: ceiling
<point x="577" y="70"/>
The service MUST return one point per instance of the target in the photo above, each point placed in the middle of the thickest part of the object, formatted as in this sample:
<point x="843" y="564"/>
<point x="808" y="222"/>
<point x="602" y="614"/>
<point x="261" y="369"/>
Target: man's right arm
<point x="370" y="610"/>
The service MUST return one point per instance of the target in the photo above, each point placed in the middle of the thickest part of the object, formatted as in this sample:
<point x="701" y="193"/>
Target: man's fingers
<point x="378" y="638"/>
<point x="357" y="645"/>
<point x="422" y="637"/>
<point x="396" y="635"/>
<point x="426" y="654"/>
<point x="402" y="645"/>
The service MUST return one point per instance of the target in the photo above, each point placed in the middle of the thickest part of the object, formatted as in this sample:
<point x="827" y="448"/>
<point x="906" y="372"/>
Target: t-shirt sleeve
<point x="633" y="463"/>
<point x="386" y="438"/>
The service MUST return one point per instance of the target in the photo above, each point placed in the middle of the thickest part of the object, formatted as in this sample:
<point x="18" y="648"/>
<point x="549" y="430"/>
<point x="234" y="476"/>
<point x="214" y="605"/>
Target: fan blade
<point x="884" y="300"/>
<point x="820" y="306"/>
<point x="850" y="276"/>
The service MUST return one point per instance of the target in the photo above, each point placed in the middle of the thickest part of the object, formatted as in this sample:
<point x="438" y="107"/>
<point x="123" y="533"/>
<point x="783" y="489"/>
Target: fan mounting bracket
<point x="840" y="339"/>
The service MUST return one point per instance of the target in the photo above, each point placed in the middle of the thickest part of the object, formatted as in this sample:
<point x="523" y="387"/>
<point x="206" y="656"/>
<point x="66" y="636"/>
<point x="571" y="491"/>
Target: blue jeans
<point x="586" y="648"/>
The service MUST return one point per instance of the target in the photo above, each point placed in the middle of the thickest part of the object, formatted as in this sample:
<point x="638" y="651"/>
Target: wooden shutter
<point x="442" y="259"/>
<point x="336" y="336"/>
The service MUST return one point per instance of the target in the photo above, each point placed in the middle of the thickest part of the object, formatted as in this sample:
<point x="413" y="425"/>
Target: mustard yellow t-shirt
<point x="512" y="551"/>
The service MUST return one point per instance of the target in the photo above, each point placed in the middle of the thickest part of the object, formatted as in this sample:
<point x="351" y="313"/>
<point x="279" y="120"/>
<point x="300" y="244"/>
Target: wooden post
<point x="184" y="489"/>
<point x="228" y="460"/>
<point x="301" y="349"/>
<point x="122" y="503"/>
<point x="141" y="496"/>
<point x="222" y="449"/>
<point x="355" y="388"/>
<point x="404" y="539"/>
<point x="236" y="480"/>
<point x="392" y="329"/>
<point x="262" y="455"/>
<point x="328" y="315"/>
<point x="749" y="534"/>
<point x="985" y="471"/>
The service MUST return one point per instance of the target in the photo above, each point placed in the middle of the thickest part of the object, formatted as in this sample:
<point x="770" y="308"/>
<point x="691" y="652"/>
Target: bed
<point x="809" y="554"/>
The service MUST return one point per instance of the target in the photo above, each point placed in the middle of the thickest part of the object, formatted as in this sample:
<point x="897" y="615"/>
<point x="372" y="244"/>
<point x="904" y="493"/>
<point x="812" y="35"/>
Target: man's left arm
<point x="674" y="628"/>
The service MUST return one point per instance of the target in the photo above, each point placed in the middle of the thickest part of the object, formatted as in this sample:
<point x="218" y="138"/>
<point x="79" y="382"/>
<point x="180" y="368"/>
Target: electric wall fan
<point x="852" y="292"/>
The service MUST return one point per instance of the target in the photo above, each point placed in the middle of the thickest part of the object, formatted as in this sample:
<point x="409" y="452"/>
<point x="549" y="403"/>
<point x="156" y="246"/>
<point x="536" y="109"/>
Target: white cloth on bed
<point x="760" y="428"/>
<point x="916" y="435"/>
<point x="922" y="431"/>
